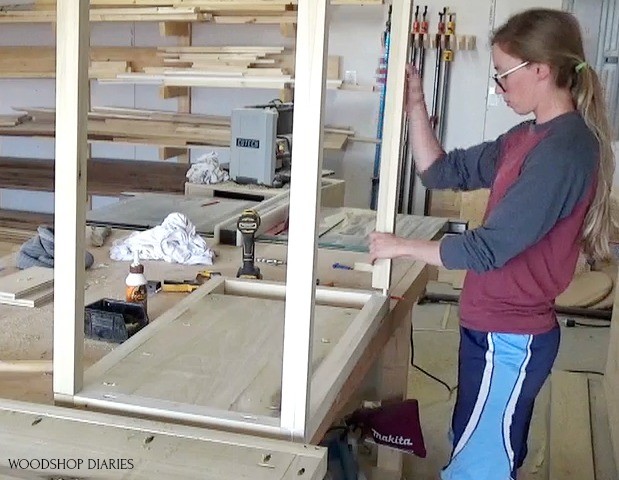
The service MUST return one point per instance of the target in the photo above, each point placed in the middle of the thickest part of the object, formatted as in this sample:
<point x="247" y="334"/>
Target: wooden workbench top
<point x="26" y="333"/>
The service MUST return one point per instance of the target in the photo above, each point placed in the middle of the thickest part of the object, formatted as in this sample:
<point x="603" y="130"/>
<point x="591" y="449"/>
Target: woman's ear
<point x="542" y="71"/>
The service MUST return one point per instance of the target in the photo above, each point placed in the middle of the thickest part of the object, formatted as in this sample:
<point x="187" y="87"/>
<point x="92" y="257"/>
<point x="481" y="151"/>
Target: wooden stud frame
<point x="392" y="137"/>
<point x="306" y="396"/>
<point x="72" y="40"/>
<point x="101" y="390"/>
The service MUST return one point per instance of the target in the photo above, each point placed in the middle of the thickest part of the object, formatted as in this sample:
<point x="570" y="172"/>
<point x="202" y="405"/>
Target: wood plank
<point x="571" y="451"/>
<point x="611" y="378"/>
<point x="603" y="458"/>
<point x="164" y="129"/>
<point x="127" y="63"/>
<point x="307" y="138"/>
<point x="157" y="450"/>
<point x="184" y="101"/>
<point x="32" y="300"/>
<point x="23" y="220"/>
<point x="145" y="211"/>
<point x="392" y="138"/>
<point x="106" y="176"/>
<point x="25" y="282"/>
<point x="473" y="207"/>
<point x="72" y="94"/>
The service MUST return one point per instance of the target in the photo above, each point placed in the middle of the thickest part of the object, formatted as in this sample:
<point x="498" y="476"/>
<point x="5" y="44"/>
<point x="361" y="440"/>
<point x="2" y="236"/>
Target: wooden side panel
<point x="571" y="451"/>
<point x="611" y="379"/>
<point x="20" y="284"/>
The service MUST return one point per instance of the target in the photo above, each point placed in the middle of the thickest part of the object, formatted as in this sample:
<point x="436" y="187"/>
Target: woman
<point x="549" y="182"/>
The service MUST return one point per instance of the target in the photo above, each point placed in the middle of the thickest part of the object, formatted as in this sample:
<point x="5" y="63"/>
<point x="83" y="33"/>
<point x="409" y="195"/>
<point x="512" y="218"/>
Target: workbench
<point x="316" y="384"/>
<point x="207" y="362"/>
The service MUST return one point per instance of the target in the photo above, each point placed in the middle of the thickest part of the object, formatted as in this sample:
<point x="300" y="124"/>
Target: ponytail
<point x="588" y="97"/>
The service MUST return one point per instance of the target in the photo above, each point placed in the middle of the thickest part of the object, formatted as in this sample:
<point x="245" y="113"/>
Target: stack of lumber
<point x="217" y="11"/>
<point x="163" y="129"/>
<point x="32" y="287"/>
<point x="40" y="62"/>
<point x="208" y="66"/>
<point x="17" y="226"/>
<point x="12" y="120"/>
<point x="110" y="177"/>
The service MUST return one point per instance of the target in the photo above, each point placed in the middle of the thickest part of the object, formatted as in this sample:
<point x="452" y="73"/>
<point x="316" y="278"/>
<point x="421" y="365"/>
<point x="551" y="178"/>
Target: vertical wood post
<point x="392" y="136"/>
<point x="72" y="50"/>
<point x="307" y="155"/>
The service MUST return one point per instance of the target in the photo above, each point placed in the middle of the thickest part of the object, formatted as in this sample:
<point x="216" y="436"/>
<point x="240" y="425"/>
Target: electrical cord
<point x="426" y="373"/>
<point x="591" y="372"/>
<point x="570" y="322"/>
<point x="436" y="379"/>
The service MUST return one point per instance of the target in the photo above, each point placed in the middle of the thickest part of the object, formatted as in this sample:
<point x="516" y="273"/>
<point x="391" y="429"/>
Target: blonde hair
<point x="553" y="37"/>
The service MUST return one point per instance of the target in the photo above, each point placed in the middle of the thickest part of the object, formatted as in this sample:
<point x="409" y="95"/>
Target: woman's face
<point x="516" y="87"/>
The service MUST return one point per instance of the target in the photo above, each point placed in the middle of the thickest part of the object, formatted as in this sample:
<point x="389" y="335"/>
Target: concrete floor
<point x="436" y="340"/>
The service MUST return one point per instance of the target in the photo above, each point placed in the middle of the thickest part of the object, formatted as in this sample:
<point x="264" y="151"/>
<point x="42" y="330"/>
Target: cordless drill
<point x="248" y="225"/>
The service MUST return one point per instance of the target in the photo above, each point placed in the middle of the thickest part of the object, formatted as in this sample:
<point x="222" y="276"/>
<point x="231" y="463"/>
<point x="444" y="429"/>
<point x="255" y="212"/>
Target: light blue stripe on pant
<point x="484" y="451"/>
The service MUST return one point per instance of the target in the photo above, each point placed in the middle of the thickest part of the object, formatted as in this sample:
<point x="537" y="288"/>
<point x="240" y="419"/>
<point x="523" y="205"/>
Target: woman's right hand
<point x="414" y="88"/>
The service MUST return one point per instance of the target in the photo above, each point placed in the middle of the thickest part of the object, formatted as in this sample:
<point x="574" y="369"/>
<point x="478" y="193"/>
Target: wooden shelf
<point x="218" y="12"/>
<point x="149" y="127"/>
<point x="180" y="66"/>
<point x="105" y="176"/>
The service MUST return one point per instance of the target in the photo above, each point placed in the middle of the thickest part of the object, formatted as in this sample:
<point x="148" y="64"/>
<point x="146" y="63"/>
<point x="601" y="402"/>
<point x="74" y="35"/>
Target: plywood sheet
<point x="25" y="282"/>
<point x="353" y="232"/>
<point x="224" y="352"/>
<point x="146" y="211"/>
<point x="34" y="299"/>
<point x="148" y="450"/>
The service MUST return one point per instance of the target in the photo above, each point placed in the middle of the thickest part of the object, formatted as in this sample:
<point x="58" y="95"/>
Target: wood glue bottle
<point x="136" y="283"/>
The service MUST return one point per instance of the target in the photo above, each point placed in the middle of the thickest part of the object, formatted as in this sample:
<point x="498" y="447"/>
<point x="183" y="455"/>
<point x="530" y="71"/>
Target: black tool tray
<point x="113" y="320"/>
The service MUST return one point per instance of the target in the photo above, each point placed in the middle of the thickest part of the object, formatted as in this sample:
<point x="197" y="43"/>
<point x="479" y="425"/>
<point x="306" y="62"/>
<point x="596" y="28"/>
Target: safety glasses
<point x="498" y="77"/>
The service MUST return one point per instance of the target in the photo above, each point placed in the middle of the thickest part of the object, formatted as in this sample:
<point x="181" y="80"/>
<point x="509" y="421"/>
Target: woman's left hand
<point x="384" y="245"/>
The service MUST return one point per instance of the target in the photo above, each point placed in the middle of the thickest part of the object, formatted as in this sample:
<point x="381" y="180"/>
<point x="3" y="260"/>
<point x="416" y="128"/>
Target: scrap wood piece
<point x="26" y="366"/>
<point x="585" y="290"/>
<point x="32" y="300"/>
<point x="26" y="282"/>
<point x="12" y="120"/>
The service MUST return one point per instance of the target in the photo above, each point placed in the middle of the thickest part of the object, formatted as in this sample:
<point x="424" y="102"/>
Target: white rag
<point x="206" y="170"/>
<point x="174" y="241"/>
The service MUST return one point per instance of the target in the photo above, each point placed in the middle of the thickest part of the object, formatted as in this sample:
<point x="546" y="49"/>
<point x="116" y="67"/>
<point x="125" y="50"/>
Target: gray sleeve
<point x="464" y="169"/>
<point x="554" y="179"/>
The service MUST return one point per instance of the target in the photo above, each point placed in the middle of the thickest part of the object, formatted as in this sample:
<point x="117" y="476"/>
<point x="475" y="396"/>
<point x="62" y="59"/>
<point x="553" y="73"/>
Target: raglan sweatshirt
<point x="542" y="179"/>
